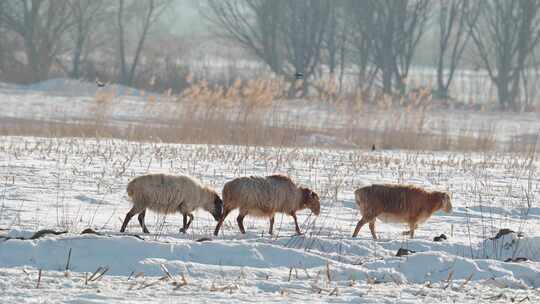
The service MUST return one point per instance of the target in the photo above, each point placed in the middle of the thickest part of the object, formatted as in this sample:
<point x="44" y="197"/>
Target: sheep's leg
<point x="408" y="232"/>
<point x="190" y="220"/>
<point x="361" y="223"/>
<point x="129" y="215"/>
<point x="271" y="225"/>
<point x="184" y="218"/>
<point x="372" y="229"/>
<point x="296" y="224"/>
<point x="141" y="221"/>
<point x="218" y="226"/>
<point x="240" y="220"/>
<point x="412" y="227"/>
<point x="186" y="222"/>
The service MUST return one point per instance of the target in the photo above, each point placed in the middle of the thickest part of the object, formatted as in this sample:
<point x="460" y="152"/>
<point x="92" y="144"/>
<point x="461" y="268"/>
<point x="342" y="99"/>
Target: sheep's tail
<point x="359" y="195"/>
<point x="130" y="189"/>
<point x="361" y="198"/>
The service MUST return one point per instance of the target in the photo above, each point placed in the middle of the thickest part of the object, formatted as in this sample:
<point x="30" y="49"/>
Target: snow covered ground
<point x="73" y="184"/>
<point x="63" y="100"/>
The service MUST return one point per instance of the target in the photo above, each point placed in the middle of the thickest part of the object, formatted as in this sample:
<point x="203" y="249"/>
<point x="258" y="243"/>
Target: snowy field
<point x="74" y="184"/>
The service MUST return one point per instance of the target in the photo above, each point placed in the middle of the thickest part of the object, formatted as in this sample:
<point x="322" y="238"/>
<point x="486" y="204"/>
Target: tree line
<point x="46" y="31"/>
<point x="381" y="37"/>
<point x="376" y="39"/>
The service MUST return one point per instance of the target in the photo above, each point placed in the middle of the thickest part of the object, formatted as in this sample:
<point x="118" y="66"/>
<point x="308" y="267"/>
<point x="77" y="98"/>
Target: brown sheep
<point x="168" y="194"/>
<point x="398" y="203"/>
<point x="264" y="196"/>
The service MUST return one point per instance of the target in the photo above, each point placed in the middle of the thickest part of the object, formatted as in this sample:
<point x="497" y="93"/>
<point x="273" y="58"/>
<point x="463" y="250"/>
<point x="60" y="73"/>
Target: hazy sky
<point x="185" y="17"/>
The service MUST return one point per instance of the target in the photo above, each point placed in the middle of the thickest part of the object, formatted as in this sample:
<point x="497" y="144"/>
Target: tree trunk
<point x="513" y="101"/>
<point x="503" y="93"/>
<point x="121" y="46"/>
<point x="387" y="66"/>
<point x="77" y="53"/>
<point x="387" y="74"/>
<point x="32" y="58"/>
<point x="140" y="45"/>
<point x="442" y="89"/>
<point x="342" y="53"/>
<point x="387" y="82"/>
<point x="387" y="69"/>
<point x="400" y="83"/>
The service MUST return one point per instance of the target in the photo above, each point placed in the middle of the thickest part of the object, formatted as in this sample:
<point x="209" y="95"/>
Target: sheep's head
<point x="216" y="207"/>
<point x="311" y="200"/>
<point x="446" y="205"/>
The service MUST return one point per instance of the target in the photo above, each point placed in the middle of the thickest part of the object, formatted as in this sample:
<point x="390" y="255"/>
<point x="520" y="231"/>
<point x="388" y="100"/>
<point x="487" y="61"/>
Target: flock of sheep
<point x="265" y="196"/>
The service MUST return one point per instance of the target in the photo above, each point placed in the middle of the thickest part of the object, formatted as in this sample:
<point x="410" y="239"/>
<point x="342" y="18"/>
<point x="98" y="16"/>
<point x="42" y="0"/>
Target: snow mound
<point x="73" y="87"/>
<point x="511" y="246"/>
<point x="126" y="254"/>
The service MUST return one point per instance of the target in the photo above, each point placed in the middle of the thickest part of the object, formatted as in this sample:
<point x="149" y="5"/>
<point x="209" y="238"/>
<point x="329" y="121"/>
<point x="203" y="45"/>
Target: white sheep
<point x="264" y="196"/>
<point x="168" y="194"/>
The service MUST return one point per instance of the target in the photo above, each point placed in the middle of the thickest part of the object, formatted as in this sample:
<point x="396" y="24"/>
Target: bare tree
<point x="142" y="14"/>
<point x="505" y="34"/>
<point x="3" y="35"/>
<point x="286" y="35"/>
<point x="42" y="25"/>
<point x="9" y="65"/>
<point x="336" y="39"/>
<point x="252" y="24"/>
<point x="453" y="38"/>
<point x="395" y="28"/>
<point x="331" y="40"/>
<point x="360" y="17"/>
<point x="304" y="31"/>
<point x="86" y="14"/>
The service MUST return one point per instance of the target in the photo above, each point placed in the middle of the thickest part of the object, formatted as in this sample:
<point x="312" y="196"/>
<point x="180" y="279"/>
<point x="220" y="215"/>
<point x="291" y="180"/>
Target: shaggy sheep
<point x="398" y="203"/>
<point x="264" y="196"/>
<point x="170" y="194"/>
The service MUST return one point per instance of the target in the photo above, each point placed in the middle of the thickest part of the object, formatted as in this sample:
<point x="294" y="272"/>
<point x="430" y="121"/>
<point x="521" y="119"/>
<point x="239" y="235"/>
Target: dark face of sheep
<point x="217" y="211"/>
<point x="311" y="201"/>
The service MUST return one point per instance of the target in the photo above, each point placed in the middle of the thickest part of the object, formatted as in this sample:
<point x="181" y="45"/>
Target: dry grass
<point x="221" y="131"/>
<point x="256" y="112"/>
